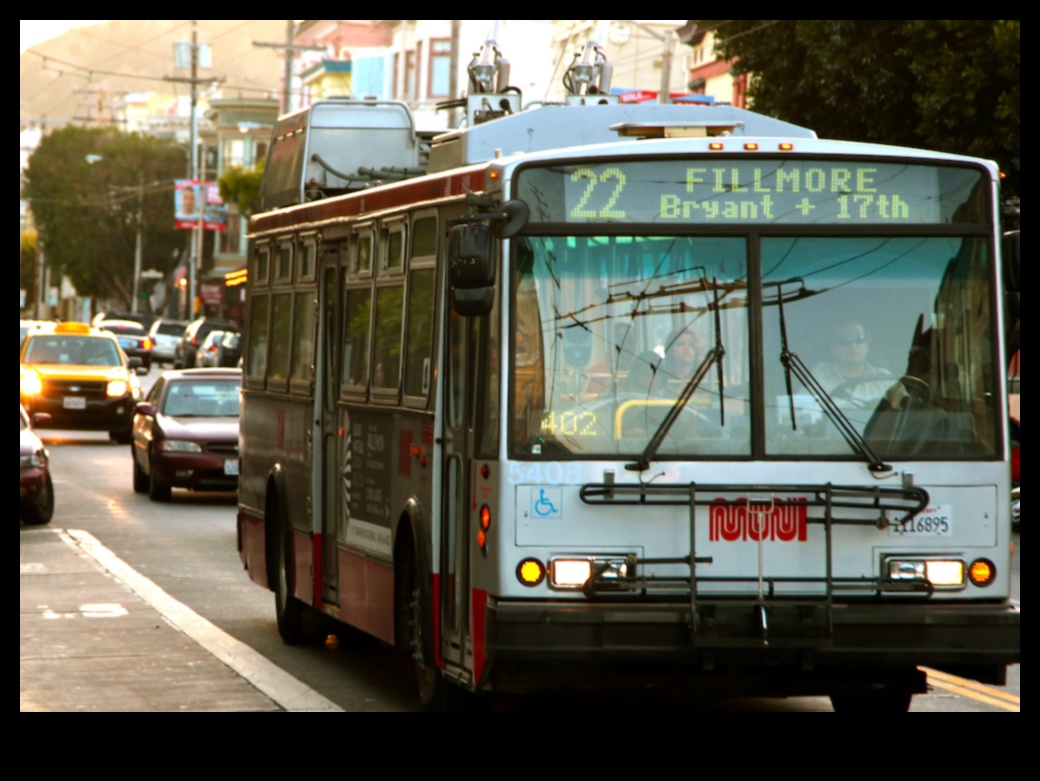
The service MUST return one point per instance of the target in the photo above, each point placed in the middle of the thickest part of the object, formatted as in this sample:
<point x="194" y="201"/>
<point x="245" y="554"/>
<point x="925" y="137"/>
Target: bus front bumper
<point x="977" y="641"/>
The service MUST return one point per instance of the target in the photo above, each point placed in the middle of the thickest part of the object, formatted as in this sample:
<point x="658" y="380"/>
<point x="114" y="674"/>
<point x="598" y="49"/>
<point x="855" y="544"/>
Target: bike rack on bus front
<point x="842" y="505"/>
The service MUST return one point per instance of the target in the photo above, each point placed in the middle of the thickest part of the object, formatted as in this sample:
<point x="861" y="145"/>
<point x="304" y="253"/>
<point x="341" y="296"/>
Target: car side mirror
<point x="41" y="419"/>
<point x="136" y="363"/>
<point x="145" y="408"/>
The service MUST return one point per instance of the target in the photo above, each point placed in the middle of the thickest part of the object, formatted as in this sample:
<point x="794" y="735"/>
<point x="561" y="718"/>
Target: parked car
<point x="166" y="335"/>
<point x="137" y="317"/>
<point x="79" y="376"/>
<point x="229" y="351"/>
<point x="208" y="352"/>
<point x="192" y="337"/>
<point x="133" y="338"/>
<point x="25" y="326"/>
<point x="185" y="433"/>
<point x="36" y="492"/>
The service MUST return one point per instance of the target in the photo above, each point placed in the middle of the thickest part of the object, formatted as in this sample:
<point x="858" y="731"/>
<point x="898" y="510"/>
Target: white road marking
<point x="289" y="692"/>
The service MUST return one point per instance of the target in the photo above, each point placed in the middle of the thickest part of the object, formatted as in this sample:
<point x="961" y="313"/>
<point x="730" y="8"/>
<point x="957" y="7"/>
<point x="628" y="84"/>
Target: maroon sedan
<point x="185" y="433"/>
<point x="36" y="493"/>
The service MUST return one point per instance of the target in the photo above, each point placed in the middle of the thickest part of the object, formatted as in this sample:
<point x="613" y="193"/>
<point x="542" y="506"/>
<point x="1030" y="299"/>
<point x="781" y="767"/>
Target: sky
<point x="34" y="31"/>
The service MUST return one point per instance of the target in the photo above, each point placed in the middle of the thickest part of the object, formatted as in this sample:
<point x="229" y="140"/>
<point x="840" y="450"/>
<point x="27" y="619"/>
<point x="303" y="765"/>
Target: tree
<point x="87" y="188"/>
<point x="947" y="85"/>
<point x="241" y="186"/>
<point x="28" y="254"/>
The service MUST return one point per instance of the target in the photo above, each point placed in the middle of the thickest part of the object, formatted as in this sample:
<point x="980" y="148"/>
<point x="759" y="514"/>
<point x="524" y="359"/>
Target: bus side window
<point x="420" y="332"/>
<point x="281" y="333"/>
<point x="357" y="323"/>
<point x="303" y="337"/>
<point x="256" y="365"/>
<point x="386" y="367"/>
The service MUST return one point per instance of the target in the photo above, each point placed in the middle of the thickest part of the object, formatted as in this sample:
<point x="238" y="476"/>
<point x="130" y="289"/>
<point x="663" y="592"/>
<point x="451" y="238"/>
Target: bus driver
<point x="849" y="375"/>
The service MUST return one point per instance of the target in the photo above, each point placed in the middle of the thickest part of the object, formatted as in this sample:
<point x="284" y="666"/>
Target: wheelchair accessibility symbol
<point x="547" y="503"/>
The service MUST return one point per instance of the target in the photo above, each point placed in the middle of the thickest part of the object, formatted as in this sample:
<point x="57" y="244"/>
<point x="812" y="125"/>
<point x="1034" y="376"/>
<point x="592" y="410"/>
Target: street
<point x="187" y="549"/>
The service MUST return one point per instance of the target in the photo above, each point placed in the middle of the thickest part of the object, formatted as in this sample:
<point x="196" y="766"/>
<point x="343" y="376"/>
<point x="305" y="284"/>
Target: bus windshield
<point x="895" y="333"/>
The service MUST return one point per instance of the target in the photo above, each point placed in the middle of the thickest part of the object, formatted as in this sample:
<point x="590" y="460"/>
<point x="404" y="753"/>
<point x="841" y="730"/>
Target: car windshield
<point x="73" y="350"/>
<point x="171" y="329"/>
<point x="202" y="399"/>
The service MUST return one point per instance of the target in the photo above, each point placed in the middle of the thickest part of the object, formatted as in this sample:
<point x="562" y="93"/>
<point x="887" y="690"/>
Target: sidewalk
<point x="97" y="636"/>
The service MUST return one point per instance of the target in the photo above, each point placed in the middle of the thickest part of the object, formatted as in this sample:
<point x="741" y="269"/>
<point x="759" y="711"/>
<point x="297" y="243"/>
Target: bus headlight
<point x="573" y="572"/>
<point x="941" y="573"/>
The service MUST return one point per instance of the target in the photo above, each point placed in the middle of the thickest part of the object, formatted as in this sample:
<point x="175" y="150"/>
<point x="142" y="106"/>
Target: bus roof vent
<point x="678" y="129"/>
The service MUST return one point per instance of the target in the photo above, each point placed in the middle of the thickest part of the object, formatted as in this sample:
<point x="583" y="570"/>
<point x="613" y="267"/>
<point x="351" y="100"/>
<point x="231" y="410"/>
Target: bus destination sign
<point x="729" y="191"/>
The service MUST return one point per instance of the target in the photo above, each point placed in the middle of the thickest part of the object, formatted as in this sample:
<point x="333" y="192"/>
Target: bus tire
<point x="424" y="679"/>
<point x="290" y="612"/>
<point x="888" y="701"/>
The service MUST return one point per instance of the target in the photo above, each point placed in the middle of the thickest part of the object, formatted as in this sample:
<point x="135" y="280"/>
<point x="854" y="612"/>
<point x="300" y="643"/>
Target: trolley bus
<point x="465" y="431"/>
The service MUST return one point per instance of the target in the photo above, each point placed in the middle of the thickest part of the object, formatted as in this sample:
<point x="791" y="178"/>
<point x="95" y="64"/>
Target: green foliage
<point x="87" y="212"/>
<point x="27" y="264"/>
<point x="947" y="85"/>
<point x="242" y="186"/>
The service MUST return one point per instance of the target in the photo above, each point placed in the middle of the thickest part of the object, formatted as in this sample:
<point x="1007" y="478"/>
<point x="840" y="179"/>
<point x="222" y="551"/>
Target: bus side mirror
<point x="471" y="269"/>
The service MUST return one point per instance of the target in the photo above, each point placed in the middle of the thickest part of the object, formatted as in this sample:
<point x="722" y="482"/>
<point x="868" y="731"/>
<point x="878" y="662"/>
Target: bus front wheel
<point x="435" y="693"/>
<point x="289" y="611"/>
<point x="897" y="701"/>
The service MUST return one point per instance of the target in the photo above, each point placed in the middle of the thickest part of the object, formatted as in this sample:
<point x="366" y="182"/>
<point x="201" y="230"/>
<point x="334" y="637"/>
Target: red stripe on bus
<point x="436" y="610"/>
<point x="479" y="602"/>
<point x="317" y="547"/>
<point x="403" y="194"/>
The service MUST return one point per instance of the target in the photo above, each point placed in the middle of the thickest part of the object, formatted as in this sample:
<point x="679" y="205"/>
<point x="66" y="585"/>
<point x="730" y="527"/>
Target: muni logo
<point x="774" y="522"/>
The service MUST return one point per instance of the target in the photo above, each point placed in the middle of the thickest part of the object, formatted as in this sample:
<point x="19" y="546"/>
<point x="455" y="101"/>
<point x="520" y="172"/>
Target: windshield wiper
<point x="714" y="356"/>
<point x="792" y="363"/>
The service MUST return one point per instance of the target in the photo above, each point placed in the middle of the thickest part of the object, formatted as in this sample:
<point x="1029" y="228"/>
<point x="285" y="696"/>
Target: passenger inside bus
<point x="684" y="351"/>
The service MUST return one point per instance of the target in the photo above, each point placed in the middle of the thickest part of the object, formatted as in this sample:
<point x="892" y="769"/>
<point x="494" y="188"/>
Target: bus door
<point x="327" y="394"/>
<point x="456" y="488"/>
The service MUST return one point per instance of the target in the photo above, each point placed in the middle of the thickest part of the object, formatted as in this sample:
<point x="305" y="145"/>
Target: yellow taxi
<point x="78" y="374"/>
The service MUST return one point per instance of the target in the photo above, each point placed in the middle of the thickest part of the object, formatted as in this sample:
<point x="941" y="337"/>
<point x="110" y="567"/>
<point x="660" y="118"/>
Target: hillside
<point x="68" y="78"/>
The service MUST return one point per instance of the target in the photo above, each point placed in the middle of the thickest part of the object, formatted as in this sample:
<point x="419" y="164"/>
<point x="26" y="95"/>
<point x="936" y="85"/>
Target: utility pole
<point x="193" y="258"/>
<point x="194" y="80"/>
<point x="668" y="38"/>
<point x="453" y="79"/>
<point x="290" y="49"/>
<point x="137" y="243"/>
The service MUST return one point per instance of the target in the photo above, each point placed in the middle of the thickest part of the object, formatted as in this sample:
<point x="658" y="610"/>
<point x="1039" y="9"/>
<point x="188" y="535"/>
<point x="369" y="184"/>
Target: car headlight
<point x="116" y="388"/>
<point x="180" y="446"/>
<point x="31" y="383"/>
<point x="39" y="458"/>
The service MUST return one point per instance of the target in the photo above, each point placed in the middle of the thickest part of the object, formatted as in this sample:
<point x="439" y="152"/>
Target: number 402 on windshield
<point x="571" y="424"/>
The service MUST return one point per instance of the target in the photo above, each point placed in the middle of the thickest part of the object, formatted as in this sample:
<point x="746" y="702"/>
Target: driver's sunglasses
<point x="847" y="340"/>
